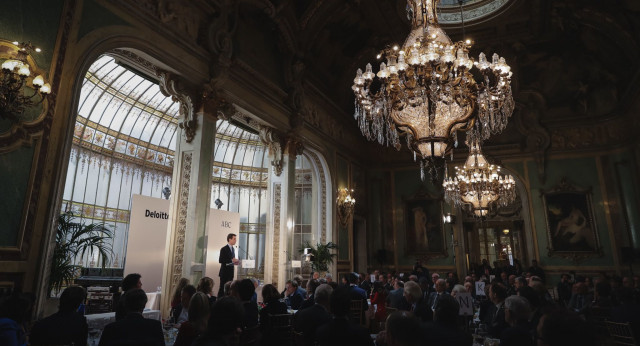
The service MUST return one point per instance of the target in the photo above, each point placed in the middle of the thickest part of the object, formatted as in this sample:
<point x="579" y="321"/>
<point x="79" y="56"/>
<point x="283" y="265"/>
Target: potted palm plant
<point x="75" y="239"/>
<point x="321" y="254"/>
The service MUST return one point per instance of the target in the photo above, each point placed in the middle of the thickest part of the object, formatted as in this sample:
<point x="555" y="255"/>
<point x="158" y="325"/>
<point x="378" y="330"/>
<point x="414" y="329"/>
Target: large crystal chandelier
<point x="426" y="90"/>
<point x="479" y="184"/>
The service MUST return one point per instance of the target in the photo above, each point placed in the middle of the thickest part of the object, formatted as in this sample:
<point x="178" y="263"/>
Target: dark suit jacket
<point x="226" y="264"/>
<point x="61" y="328"/>
<point x="441" y="334"/>
<point x="395" y="299"/>
<point x="340" y="331"/>
<point x="307" y="303"/>
<point x="295" y="300"/>
<point x="133" y="330"/>
<point x="498" y="324"/>
<point x="309" y="320"/>
<point x="423" y="311"/>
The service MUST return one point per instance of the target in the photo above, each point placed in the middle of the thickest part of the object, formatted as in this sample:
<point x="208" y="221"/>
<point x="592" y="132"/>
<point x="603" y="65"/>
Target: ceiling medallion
<point x="479" y="184"/>
<point x="429" y="89"/>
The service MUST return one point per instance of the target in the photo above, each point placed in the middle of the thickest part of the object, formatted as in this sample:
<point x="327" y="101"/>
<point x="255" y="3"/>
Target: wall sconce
<point x="345" y="205"/>
<point x="449" y="219"/>
<point x="505" y="231"/>
<point x="13" y="78"/>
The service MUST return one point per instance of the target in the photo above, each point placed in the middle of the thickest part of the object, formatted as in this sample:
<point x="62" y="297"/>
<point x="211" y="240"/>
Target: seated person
<point x="272" y="306"/>
<point x="206" y="286"/>
<point x="312" y="285"/>
<point x="197" y="322"/>
<point x="67" y="326"/>
<point x="516" y="314"/>
<point x="292" y="296"/>
<point x="308" y="320"/>
<point x="561" y="327"/>
<point x="444" y="328"/>
<point x="246" y="291"/>
<point x="340" y="330"/>
<point x="129" y="282"/>
<point x="133" y="329"/>
<point x="181" y="312"/>
<point x="401" y="329"/>
<point x="225" y="321"/>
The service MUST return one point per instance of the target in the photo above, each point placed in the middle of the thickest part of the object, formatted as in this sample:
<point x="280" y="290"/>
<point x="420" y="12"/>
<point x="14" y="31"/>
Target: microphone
<point x="245" y="253"/>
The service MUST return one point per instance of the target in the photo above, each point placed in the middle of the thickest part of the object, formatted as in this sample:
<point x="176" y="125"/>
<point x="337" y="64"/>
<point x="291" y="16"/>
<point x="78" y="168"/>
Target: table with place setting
<point x="97" y="322"/>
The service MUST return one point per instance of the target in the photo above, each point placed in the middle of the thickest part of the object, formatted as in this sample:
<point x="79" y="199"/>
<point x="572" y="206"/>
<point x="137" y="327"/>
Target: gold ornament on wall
<point x="345" y="204"/>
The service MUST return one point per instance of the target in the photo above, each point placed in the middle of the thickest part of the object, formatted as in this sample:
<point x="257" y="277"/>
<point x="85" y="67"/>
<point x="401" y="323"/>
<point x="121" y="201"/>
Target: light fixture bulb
<point x="24" y="70"/>
<point x="45" y="89"/>
<point x="38" y="81"/>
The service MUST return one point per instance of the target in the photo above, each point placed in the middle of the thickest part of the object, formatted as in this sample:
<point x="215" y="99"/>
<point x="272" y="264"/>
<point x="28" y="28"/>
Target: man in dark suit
<point x="419" y="307"/>
<point x="441" y="289"/>
<point x="227" y="260"/>
<point x="66" y="326"/>
<point x="497" y="294"/>
<point x="308" y="320"/>
<point x="341" y="331"/>
<point x="133" y="329"/>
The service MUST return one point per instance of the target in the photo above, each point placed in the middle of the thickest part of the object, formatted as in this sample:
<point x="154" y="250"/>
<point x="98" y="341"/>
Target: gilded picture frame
<point x="425" y="237"/>
<point x="571" y="225"/>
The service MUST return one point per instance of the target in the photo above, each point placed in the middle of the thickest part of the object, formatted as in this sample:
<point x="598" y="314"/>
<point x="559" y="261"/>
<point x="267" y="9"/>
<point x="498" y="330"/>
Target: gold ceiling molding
<point x="615" y="132"/>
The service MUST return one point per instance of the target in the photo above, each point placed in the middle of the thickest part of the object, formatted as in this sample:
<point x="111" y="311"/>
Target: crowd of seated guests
<point x="417" y="308"/>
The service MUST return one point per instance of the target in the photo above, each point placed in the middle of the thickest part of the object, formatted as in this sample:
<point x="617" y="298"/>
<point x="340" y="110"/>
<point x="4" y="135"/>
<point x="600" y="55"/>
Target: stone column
<point x="282" y="153"/>
<point x="191" y="188"/>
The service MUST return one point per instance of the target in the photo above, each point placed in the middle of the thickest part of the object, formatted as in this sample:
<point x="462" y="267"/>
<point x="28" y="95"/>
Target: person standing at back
<point x="227" y="260"/>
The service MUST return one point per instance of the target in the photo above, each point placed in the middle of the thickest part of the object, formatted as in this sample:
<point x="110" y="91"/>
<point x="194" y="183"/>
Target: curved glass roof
<point x="123" y="113"/>
<point x="240" y="158"/>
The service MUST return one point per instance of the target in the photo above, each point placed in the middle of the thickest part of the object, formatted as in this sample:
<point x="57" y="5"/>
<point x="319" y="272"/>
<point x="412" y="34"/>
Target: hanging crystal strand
<point x="422" y="170"/>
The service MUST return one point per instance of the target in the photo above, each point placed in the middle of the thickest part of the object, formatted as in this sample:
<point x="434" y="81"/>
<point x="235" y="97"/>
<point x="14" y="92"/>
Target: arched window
<point x="123" y="144"/>
<point x="240" y="176"/>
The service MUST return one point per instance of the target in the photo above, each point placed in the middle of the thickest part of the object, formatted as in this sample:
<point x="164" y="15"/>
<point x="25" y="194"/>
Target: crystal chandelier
<point x="427" y="91"/>
<point x="479" y="184"/>
<point x="345" y="204"/>
<point x="13" y="78"/>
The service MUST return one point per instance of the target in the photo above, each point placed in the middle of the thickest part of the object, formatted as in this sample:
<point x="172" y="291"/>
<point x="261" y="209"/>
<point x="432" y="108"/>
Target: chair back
<point x="356" y="312"/>
<point x="281" y="329"/>
<point x="621" y="333"/>
<point x="250" y="336"/>
<point x="598" y="316"/>
<point x="553" y="292"/>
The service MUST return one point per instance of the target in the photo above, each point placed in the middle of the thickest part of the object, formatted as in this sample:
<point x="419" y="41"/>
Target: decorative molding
<point x="277" y="191"/>
<point x="612" y="133"/>
<point x="136" y="60"/>
<point x="530" y="106"/>
<point x="273" y="141"/>
<point x="220" y="40"/>
<point x="170" y="87"/>
<point x="178" y="252"/>
<point x="323" y="195"/>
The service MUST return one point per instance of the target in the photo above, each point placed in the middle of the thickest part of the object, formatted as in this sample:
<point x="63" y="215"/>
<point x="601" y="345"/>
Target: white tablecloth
<point x="153" y="301"/>
<point x="99" y="321"/>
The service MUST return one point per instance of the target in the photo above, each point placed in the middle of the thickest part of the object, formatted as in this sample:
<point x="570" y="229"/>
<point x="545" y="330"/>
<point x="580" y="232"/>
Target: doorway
<point x="499" y="242"/>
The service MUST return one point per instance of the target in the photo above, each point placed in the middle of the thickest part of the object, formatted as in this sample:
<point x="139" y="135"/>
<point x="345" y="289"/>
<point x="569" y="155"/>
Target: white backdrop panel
<point x="147" y="238"/>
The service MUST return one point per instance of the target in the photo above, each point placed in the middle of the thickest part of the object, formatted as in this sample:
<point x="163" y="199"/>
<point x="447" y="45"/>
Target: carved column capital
<point x="273" y="141"/>
<point x="170" y="86"/>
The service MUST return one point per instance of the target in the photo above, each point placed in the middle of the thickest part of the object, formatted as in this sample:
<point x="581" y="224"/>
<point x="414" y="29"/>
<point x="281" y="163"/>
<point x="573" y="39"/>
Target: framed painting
<point x="571" y="226"/>
<point x="424" y="228"/>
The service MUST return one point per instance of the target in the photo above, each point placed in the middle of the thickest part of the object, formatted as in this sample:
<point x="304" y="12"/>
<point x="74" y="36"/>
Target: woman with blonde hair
<point x="177" y="294"/>
<point x="206" y="286"/>
<point x="197" y="323"/>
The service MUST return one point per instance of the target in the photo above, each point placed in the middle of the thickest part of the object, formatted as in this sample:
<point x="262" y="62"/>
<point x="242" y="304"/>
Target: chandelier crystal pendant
<point x="345" y="204"/>
<point x="13" y="79"/>
<point x="479" y="184"/>
<point x="426" y="91"/>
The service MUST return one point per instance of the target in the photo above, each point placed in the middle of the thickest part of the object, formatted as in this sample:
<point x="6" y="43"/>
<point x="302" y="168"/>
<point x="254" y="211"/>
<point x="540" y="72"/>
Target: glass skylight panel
<point x="99" y="108"/>
<point x="130" y="121"/>
<point x="90" y="100"/>
<point x="118" y="117"/>
<point x="167" y="139"/>
<point x="160" y="130"/>
<point x="123" y="79"/>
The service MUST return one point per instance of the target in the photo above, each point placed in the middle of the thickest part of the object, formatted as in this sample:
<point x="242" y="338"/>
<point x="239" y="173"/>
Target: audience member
<point x="177" y="294"/>
<point x="564" y="288"/>
<point x="457" y="289"/>
<point x="256" y="284"/>
<point x="536" y="270"/>
<point x="560" y="327"/>
<point x="308" y="320"/>
<point x="364" y="283"/>
<point x="516" y="313"/>
<point x="224" y="324"/>
<point x="129" y="282"/>
<point x="395" y="298"/>
<point x="312" y="285"/>
<point x="444" y="329"/>
<point x="418" y="306"/>
<point x="401" y="329"/>
<point x="199" y="307"/>
<point x="497" y="295"/>
<point x="340" y="331"/>
<point x="246" y="290"/>
<point x="133" y="329"/>
<point x="437" y="294"/>
<point x="292" y="296"/>
<point x="205" y="285"/>
<point x="14" y="313"/>
<point x="580" y="300"/>
<point x="272" y="306"/>
<point x="181" y="312"/>
<point x="65" y="327"/>
<point x="602" y="297"/>
<point x="379" y="299"/>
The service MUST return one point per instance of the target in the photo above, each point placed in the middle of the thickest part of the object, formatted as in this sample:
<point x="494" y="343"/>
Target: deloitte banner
<point x="147" y="239"/>
<point x="221" y="223"/>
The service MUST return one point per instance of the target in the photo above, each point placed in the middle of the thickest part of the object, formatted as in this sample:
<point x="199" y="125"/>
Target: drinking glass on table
<point x="94" y="336"/>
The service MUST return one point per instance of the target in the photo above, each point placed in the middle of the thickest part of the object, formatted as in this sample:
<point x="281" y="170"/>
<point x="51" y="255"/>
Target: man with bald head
<point x="440" y="289"/>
